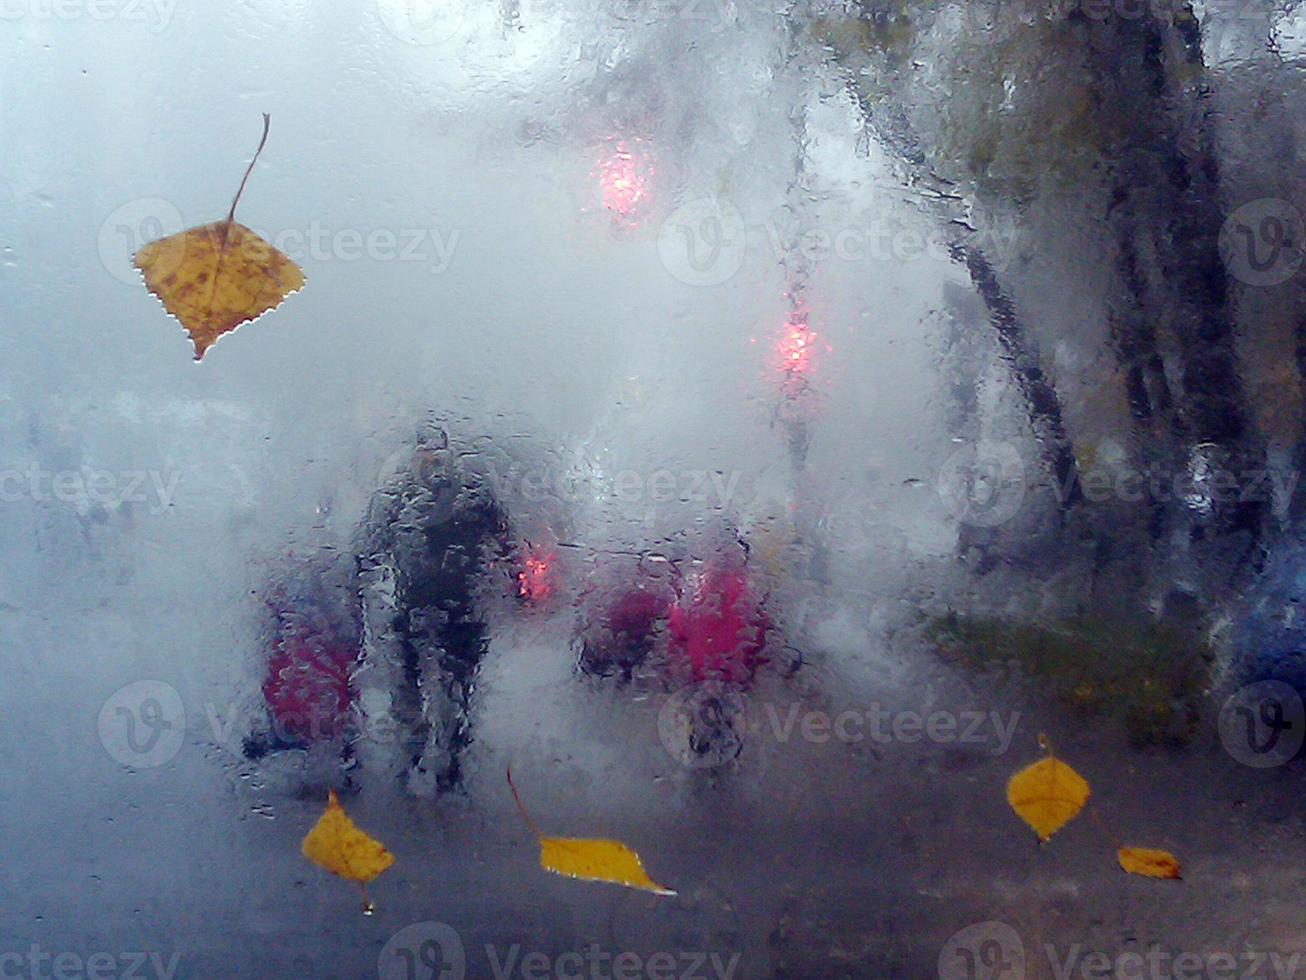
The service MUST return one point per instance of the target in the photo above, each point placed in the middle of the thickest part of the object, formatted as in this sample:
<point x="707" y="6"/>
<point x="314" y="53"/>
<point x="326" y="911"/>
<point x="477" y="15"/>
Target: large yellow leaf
<point x="1148" y="863"/>
<point x="215" y="277"/>
<point x="336" y="843"/>
<point x="1047" y="795"/>
<point x="589" y="858"/>
<point x="595" y="859"/>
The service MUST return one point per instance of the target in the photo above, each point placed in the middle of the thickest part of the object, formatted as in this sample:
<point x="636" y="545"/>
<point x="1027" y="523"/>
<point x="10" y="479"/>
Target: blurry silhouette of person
<point x="718" y="627"/>
<point x="312" y="643"/>
<point x="704" y="631"/>
<point x="428" y="545"/>
<point x="624" y="637"/>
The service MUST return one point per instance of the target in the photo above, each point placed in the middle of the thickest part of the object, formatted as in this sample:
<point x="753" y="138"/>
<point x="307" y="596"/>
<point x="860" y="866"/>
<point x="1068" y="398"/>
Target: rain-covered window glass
<point x="652" y="488"/>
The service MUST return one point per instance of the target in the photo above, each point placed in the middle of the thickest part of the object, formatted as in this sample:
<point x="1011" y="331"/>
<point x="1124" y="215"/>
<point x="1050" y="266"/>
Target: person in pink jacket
<point x="718" y="628"/>
<point x="313" y="645"/>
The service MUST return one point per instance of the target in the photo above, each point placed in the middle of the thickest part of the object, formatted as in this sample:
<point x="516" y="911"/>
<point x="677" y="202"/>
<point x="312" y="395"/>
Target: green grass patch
<point x="1149" y="675"/>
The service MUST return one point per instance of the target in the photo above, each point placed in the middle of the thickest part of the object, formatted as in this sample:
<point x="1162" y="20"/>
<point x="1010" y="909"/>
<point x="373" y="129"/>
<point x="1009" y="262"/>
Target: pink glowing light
<point x="535" y="580"/>
<point x="796" y="346"/>
<point x="625" y="176"/>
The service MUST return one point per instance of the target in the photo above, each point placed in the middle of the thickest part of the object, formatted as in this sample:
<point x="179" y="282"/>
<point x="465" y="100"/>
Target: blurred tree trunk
<point x="1067" y="116"/>
<point x="1167" y="191"/>
<point x="1043" y="405"/>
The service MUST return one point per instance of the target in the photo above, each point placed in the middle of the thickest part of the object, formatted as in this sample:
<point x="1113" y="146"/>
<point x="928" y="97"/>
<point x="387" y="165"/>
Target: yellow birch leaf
<point x="1047" y="795"/>
<point x="1148" y="863"/>
<point x="215" y="277"/>
<point x="336" y="844"/>
<point x="594" y="859"/>
<point x="589" y="858"/>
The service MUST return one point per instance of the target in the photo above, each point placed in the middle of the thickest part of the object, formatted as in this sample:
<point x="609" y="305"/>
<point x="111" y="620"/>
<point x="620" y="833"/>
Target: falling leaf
<point x="590" y="858"/>
<point x="1148" y="863"/>
<point x="217" y="276"/>
<point x="1047" y="795"/>
<point x="595" y="859"/>
<point x="335" y="843"/>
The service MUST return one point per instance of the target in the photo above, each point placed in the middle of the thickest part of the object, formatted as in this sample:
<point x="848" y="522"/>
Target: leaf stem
<point x="521" y="807"/>
<point x="267" y="122"/>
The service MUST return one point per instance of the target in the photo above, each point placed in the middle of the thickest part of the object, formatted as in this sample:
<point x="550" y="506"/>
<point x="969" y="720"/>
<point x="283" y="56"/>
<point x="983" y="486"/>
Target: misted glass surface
<point x="742" y="490"/>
